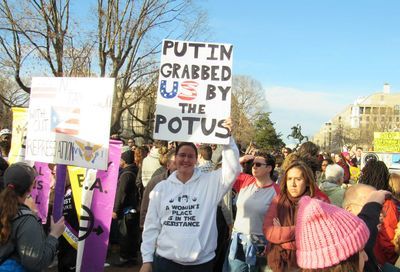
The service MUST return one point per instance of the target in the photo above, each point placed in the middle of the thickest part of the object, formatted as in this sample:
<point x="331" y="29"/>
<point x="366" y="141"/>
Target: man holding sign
<point x="193" y="101"/>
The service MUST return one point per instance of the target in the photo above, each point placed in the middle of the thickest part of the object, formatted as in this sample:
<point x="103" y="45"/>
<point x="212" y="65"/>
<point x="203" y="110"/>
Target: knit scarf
<point x="280" y="259"/>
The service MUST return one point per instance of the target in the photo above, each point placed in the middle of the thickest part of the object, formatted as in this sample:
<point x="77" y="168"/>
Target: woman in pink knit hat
<point x="279" y="223"/>
<point x="329" y="238"/>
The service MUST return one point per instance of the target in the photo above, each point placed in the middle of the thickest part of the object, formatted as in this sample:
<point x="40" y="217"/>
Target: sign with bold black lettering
<point x="194" y="92"/>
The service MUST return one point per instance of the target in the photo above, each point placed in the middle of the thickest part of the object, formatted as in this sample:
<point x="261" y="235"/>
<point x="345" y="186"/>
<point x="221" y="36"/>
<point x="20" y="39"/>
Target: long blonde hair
<point x="394" y="184"/>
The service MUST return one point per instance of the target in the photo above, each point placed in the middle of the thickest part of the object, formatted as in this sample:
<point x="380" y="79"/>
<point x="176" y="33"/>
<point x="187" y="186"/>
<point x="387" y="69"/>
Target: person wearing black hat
<point x="23" y="243"/>
<point x="126" y="210"/>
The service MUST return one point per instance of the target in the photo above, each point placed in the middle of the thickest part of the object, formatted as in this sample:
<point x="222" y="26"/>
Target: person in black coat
<point x="126" y="210"/>
<point x="366" y="202"/>
<point x="3" y="167"/>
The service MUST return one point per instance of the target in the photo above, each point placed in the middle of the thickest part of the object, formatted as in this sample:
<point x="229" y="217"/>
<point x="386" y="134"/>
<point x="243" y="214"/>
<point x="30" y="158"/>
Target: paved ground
<point x="123" y="269"/>
<point x="113" y="256"/>
<point x="134" y="268"/>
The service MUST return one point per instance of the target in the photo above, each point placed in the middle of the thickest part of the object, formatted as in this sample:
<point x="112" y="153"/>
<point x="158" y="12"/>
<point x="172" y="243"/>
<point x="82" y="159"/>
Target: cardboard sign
<point x="392" y="160"/>
<point x="69" y="121"/>
<point x="19" y="128"/>
<point x="387" y="141"/>
<point x="194" y="92"/>
<point x="41" y="190"/>
<point x="98" y="193"/>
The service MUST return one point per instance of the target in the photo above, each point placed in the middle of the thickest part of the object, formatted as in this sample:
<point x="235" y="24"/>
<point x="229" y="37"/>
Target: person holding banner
<point x="180" y="230"/>
<point x="23" y="243"/>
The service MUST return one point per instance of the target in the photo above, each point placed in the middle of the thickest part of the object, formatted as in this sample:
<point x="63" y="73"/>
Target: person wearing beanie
<point x="23" y="243"/>
<point x="279" y="223"/>
<point x="126" y="210"/>
<point x="332" y="185"/>
<point x="329" y="238"/>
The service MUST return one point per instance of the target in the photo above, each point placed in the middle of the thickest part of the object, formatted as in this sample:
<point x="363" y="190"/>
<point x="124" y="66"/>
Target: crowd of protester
<point x="200" y="207"/>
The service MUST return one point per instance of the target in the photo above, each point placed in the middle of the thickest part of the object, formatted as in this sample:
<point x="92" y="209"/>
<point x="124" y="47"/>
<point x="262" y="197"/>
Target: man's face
<point x="5" y="138"/>
<point x="359" y="152"/>
<point x="5" y="142"/>
<point x="130" y="142"/>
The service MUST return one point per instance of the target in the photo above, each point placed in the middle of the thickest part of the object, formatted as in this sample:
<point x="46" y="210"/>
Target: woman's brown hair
<point x="351" y="264"/>
<point x="394" y="185"/>
<point x="140" y="154"/>
<point x="8" y="210"/>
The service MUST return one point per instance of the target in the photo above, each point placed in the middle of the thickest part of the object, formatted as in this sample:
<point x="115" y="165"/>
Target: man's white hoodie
<point x="149" y="165"/>
<point x="180" y="223"/>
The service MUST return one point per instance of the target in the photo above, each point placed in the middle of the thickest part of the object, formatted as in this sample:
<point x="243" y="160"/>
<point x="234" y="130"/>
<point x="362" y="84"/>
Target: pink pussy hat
<point x="326" y="234"/>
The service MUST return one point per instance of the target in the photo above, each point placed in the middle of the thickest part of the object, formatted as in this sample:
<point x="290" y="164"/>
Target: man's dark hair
<point x="308" y="148"/>
<point x="376" y="174"/>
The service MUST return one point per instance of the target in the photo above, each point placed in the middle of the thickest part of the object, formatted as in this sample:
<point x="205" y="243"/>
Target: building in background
<point x="356" y="124"/>
<point x="137" y="122"/>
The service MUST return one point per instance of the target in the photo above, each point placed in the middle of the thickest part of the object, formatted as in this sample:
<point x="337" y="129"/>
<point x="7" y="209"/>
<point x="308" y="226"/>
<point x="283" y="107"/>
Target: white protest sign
<point x="69" y="121"/>
<point x="194" y="92"/>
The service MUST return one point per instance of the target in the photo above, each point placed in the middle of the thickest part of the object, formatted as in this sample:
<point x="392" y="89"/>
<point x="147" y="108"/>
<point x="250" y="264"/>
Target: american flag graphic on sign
<point x="188" y="90"/>
<point x="65" y="120"/>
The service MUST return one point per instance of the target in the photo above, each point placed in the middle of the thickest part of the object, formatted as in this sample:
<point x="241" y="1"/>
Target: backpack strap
<point x="23" y="212"/>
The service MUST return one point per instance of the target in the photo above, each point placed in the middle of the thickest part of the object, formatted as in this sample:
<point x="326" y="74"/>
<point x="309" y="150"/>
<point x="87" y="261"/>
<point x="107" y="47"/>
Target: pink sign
<point x="99" y="213"/>
<point x="41" y="191"/>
